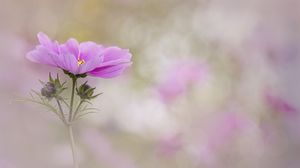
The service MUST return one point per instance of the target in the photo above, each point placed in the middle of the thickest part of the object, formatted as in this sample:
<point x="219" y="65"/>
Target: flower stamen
<point x="80" y="61"/>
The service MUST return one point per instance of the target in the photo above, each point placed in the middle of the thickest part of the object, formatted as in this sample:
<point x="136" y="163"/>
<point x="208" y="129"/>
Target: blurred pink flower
<point x="278" y="103"/>
<point x="180" y="77"/>
<point x="289" y="119"/>
<point x="169" y="145"/>
<point x="84" y="58"/>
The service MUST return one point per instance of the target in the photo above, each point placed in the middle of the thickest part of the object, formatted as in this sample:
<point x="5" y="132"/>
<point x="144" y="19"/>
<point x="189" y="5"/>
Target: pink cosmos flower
<point x="81" y="58"/>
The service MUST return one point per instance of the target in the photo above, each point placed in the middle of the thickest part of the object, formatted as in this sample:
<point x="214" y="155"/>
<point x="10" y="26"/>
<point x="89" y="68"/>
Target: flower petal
<point x="89" y="50"/>
<point x="70" y="47"/>
<point x="115" y="53"/>
<point x="68" y="62"/>
<point x="116" y="60"/>
<point x="42" y="55"/>
<point x="46" y="52"/>
<point x="90" y="65"/>
<point x="110" y="71"/>
<point x="48" y="43"/>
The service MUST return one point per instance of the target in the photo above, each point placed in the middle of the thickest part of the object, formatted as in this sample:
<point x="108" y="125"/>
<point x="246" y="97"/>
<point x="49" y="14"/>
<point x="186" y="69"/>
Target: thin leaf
<point x="50" y="77"/>
<point x="84" y="114"/>
<point x="43" y="83"/>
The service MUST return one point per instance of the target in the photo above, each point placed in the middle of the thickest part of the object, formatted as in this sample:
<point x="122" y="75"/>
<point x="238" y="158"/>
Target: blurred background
<point x="214" y="84"/>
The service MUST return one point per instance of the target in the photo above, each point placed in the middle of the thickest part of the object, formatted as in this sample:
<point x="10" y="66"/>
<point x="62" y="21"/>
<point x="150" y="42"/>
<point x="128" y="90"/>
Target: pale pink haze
<point x="104" y="152"/>
<point x="81" y="58"/>
<point x="180" y="77"/>
<point x="226" y="126"/>
<point x="169" y="145"/>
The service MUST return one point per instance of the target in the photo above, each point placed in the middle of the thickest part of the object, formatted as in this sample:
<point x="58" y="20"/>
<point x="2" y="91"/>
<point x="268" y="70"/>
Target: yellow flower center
<point x="80" y="61"/>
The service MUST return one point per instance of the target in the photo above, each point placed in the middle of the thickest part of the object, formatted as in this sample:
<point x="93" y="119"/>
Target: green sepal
<point x="57" y="86"/>
<point x="85" y="92"/>
<point x="73" y="76"/>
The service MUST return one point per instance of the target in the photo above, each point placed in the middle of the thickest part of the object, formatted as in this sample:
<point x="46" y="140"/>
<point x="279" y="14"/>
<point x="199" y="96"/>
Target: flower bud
<point x="86" y="92"/>
<point x="53" y="88"/>
<point x="48" y="90"/>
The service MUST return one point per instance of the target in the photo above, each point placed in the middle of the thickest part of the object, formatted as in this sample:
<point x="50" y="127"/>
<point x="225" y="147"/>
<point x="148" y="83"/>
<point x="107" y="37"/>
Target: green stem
<point x="72" y="98"/>
<point x="73" y="147"/>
